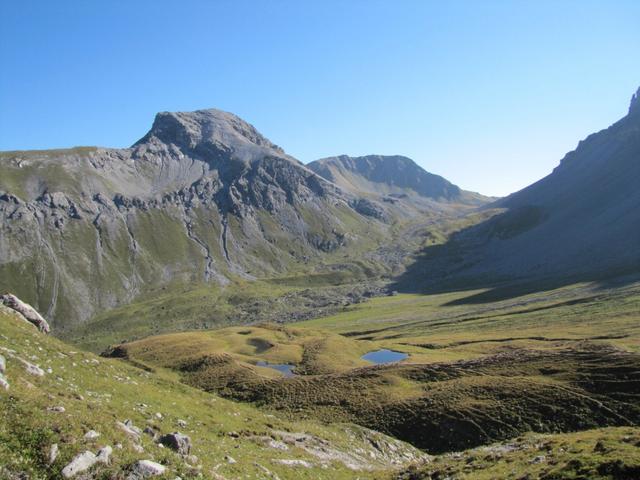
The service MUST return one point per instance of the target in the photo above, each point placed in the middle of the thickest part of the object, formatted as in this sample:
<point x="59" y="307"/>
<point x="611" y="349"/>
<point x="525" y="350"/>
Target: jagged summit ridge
<point x="209" y="131"/>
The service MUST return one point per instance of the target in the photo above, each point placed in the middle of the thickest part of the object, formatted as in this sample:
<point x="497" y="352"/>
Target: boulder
<point x="27" y="311"/>
<point x="178" y="442"/>
<point x="104" y="454"/>
<point x="84" y="461"/>
<point x="80" y="463"/>
<point x="91" y="435"/>
<point x="146" y="468"/>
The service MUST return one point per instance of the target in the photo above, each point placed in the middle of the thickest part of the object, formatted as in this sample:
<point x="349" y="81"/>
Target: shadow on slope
<point x="461" y="263"/>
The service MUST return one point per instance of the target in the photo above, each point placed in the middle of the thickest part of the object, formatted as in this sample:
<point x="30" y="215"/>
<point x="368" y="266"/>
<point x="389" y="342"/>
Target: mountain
<point x="579" y="222"/>
<point x="392" y="179"/>
<point x="202" y="197"/>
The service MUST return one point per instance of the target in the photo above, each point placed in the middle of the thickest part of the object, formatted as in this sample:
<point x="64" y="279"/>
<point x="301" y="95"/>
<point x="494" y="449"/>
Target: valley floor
<point x="541" y="385"/>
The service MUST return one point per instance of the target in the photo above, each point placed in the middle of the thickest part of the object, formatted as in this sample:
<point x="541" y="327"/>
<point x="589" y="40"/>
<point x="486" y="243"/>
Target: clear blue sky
<point x="489" y="94"/>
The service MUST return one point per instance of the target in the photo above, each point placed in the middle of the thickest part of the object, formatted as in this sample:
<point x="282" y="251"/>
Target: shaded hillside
<point x="580" y="222"/>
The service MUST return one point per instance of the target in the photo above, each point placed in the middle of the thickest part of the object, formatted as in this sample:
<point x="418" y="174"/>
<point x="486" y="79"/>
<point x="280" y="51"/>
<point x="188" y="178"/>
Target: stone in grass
<point x="294" y="463"/>
<point x="53" y="453"/>
<point x="85" y="460"/>
<point x="177" y="441"/>
<point x="130" y="429"/>
<point x="91" y="435"/>
<point x="146" y="468"/>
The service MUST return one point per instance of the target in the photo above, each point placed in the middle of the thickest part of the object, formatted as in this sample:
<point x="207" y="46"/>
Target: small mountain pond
<point x="283" y="368"/>
<point x="384" y="356"/>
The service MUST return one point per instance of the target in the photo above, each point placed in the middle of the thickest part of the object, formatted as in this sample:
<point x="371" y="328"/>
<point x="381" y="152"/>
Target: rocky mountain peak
<point x="392" y="171"/>
<point x="634" y="106"/>
<point x="203" y="130"/>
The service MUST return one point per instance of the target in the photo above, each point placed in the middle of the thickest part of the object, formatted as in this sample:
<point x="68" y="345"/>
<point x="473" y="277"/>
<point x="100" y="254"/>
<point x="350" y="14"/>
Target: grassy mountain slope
<point x="96" y="393"/>
<point x="560" y="361"/>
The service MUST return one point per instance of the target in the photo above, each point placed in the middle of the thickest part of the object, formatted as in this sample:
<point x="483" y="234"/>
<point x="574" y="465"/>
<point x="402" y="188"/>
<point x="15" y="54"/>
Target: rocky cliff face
<point x="396" y="172"/>
<point x="392" y="185"/>
<point x="202" y="197"/>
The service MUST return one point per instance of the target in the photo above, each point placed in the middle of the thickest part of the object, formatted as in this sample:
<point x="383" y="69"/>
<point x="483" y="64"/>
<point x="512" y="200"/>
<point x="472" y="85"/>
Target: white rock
<point x="146" y="468"/>
<point x="84" y="461"/>
<point x="4" y="383"/>
<point x="3" y="364"/>
<point x="80" y="463"/>
<point x="31" y="368"/>
<point x="53" y="453"/>
<point x="128" y="428"/>
<point x="26" y="311"/>
<point x="57" y="409"/>
<point x="91" y="435"/>
<point x="230" y="459"/>
<point x="277" y="444"/>
<point x="104" y="454"/>
<point x="295" y="463"/>
<point x="137" y="448"/>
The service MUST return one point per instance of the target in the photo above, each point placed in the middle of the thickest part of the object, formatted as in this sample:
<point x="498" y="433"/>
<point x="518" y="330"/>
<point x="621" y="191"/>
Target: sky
<point x="488" y="94"/>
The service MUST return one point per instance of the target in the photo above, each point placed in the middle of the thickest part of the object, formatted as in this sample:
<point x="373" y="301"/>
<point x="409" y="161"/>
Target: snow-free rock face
<point x="392" y="185"/>
<point x="393" y="171"/>
<point x="203" y="197"/>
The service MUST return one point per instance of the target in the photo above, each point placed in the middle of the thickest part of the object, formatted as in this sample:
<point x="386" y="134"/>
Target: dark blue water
<point x="285" y="369"/>
<point x="384" y="356"/>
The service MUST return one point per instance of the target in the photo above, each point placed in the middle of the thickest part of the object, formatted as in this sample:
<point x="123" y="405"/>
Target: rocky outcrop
<point x="368" y="208"/>
<point x="177" y="441"/>
<point x="26" y="311"/>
